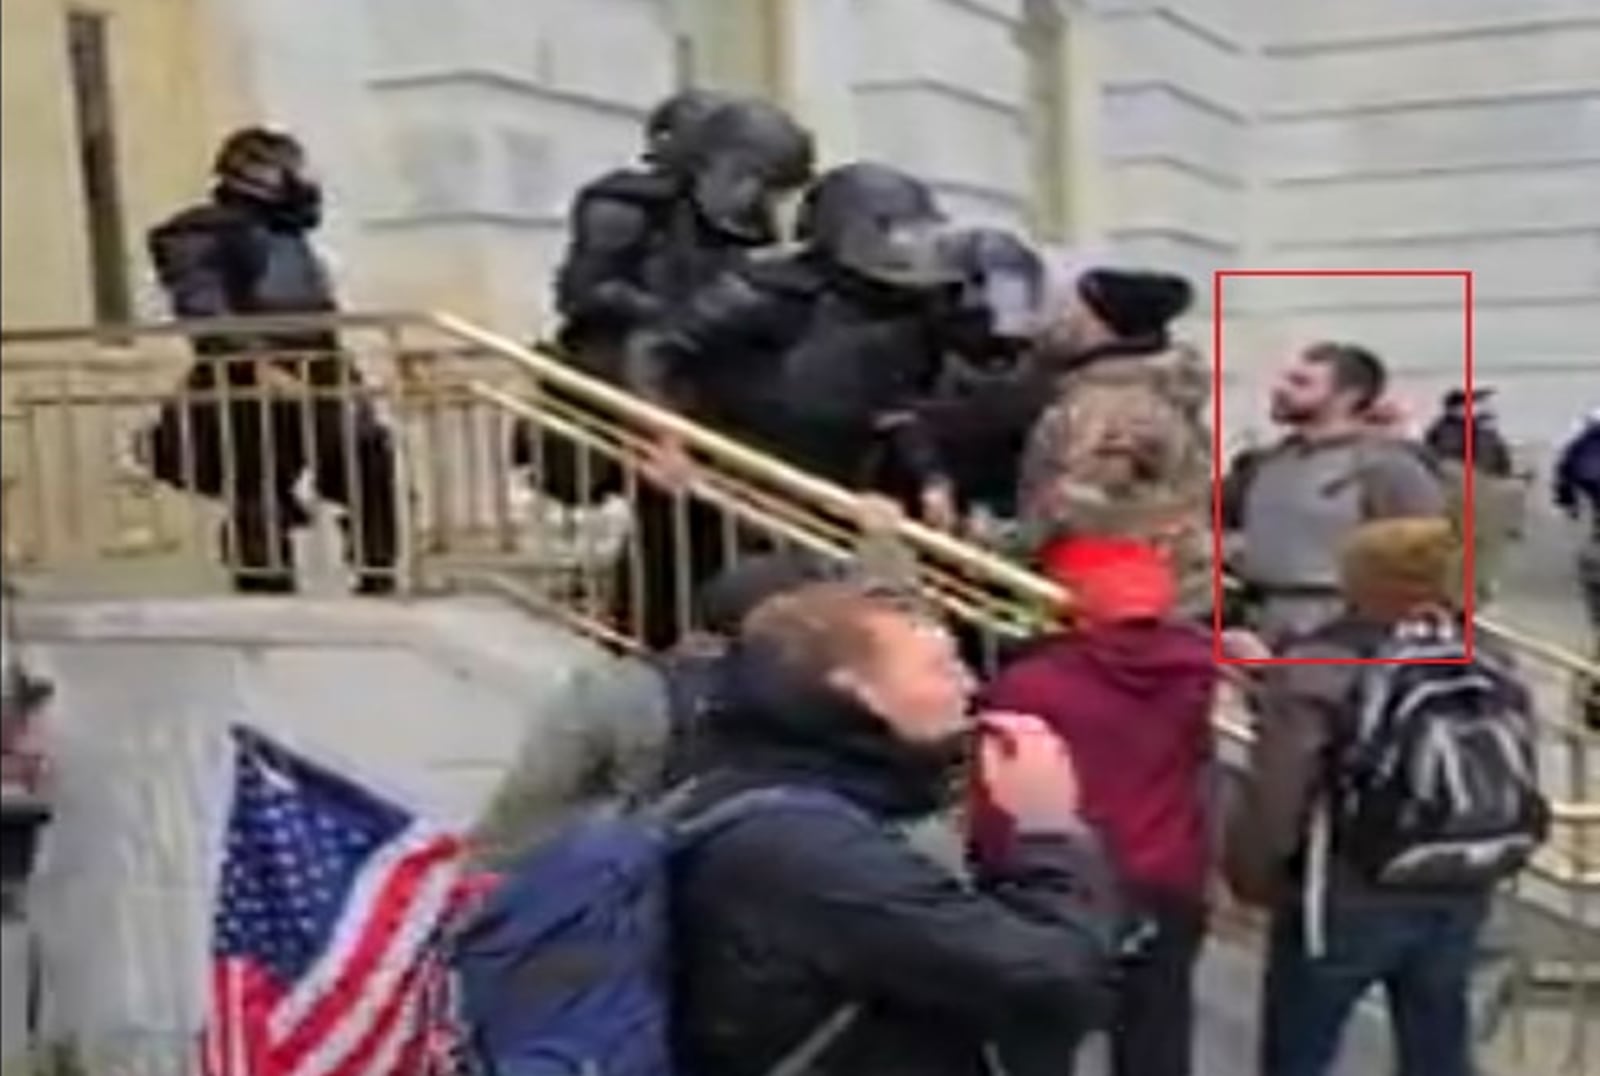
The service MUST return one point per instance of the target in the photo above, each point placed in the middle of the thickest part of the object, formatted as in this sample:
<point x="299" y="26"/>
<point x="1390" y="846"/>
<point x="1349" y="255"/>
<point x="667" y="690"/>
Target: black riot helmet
<point x="743" y="155"/>
<point x="268" y="167"/>
<point x="671" y="123"/>
<point x="1000" y="301"/>
<point x="255" y="158"/>
<point x="878" y="223"/>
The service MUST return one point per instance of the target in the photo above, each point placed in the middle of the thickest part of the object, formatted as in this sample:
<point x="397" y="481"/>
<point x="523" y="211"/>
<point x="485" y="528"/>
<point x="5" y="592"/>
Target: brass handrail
<point x="545" y="368"/>
<point x="725" y="450"/>
<point x="113" y="334"/>
<point x="1565" y="813"/>
<point x="454" y="392"/>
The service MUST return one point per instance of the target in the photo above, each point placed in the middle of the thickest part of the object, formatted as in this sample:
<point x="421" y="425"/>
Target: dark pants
<point x="1152" y="1025"/>
<point x="227" y="439"/>
<point x="559" y="466"/>
<point x="1420" y="950"/>
<point x="355" y="469"/>
<point x="680" y="544"/>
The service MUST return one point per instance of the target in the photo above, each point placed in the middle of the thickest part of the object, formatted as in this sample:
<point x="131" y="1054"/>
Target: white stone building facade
<point x="1195" y="134"/>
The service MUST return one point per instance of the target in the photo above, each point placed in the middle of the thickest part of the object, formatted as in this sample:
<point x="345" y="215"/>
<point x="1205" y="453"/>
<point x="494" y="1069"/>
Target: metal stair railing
<point x="83" y="514"/>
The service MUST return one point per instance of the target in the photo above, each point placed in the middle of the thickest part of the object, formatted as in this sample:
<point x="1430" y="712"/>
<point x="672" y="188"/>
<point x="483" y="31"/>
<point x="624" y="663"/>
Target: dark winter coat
<point x="236" y="257"/>
<point x="1447" y="440"/>
<point x="233" y="256"/>
<point x="981" y="419"/>
<point x="791" y="915"/>
<point x="1578" y="476"/>
<point x="819" y="370"/>
<point x="637" y="251"/>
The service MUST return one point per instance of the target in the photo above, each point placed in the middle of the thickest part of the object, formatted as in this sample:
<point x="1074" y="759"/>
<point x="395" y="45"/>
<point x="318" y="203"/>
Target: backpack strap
<point x="809" y="1050"/>
<point x="689" y="827"/>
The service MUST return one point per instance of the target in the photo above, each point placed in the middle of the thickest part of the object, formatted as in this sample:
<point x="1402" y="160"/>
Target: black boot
<point x="259" y="551"/>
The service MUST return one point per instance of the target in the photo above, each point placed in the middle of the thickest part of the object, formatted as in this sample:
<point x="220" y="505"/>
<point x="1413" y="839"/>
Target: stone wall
<point x="1421" y="134"/>
<point x="1204" y="134"/>
<point x="175" y="87"/>
<point x="430" y="703"/>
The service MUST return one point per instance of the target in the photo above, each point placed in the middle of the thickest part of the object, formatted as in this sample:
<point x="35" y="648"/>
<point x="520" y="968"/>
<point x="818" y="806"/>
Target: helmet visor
<point x="908" y="254"/>
<point x="737" y="201"/>
<point x="1012" y="300"/>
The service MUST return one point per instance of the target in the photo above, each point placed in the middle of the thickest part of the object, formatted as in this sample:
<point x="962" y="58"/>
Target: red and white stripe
<point x="361" y="1009"/>
<point x="235" y="1040"/>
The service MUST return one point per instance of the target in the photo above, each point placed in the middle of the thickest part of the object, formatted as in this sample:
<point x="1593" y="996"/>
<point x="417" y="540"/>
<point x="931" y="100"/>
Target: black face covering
<point x="300" y="204"/>
<point x="296" y="205"/>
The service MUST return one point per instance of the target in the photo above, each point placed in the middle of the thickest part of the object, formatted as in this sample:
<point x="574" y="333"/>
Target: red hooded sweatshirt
<point x="1133" y="703"/>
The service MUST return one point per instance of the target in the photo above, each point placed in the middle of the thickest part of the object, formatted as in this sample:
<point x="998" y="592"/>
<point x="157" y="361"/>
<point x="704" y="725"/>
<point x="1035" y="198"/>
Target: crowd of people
<point x="883" y="347"/>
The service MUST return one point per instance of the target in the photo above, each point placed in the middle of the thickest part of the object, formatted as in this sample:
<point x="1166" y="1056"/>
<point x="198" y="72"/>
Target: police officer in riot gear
<point x="247" y="251"/>
<point x="668" y="122"/>
<point x="644" y="239"/>
<point x="816" y="356"/>
<point x="991" y="389"/>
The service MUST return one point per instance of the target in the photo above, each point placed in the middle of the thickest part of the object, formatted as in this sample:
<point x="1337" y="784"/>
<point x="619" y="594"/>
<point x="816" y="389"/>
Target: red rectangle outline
<point x="1469" y="576"/>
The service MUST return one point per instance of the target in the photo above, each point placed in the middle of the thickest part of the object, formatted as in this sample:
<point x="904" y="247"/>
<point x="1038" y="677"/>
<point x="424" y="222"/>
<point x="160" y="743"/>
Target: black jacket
<point x="637" y="250"/>
<point x="232" y="256"/>
<point x="1577" y="476"/>
<point x="787" y="916"/>
<point x="1447" y="440"/>
<point x="822" y="371"/>
<point x="981" y="419"/>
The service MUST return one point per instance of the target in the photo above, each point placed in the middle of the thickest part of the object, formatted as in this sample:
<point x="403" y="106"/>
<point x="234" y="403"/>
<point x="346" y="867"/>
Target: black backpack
<point x="1436" y="784"/>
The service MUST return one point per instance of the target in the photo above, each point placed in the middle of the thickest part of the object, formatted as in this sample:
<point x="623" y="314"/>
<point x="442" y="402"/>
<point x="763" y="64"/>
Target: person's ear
<point x="844" y="680"/>
<point x="852" y="685"/>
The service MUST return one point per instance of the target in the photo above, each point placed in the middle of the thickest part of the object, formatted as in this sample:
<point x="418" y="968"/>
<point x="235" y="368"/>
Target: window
<point x="89" y="62"/>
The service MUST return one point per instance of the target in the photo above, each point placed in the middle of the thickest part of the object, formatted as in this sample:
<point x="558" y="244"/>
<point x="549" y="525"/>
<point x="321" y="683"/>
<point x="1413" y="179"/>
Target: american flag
<point x="325" y="948"/>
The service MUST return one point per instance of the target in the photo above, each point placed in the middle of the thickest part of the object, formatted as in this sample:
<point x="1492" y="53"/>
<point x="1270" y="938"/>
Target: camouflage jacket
<point x="1124" y="449"/>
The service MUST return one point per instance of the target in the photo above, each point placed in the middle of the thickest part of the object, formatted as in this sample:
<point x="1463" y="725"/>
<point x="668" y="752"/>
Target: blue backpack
<point x="564" y="969"/>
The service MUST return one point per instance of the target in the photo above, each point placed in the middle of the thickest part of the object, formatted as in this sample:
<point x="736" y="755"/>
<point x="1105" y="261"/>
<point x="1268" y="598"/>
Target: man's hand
<point x="938" y="505"/>
<point x="878" y="516"/>
<point x="1244" y="645"/>
<point x="1389" y="416"/>
<point x="1028" y="772"/>
<point x="668" y="463"/>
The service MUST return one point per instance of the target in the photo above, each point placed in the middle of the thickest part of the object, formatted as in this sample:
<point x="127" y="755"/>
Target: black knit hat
<point x="1135" y="303"/>
<point x="1456" y="399"/>
<point x="733" y="595"/>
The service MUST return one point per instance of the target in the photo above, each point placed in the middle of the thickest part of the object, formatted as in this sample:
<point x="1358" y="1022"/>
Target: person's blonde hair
<point x="1404" y="560"/>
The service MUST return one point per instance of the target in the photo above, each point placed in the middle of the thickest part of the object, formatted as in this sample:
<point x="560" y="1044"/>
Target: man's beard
<point x="1288" y="414"/>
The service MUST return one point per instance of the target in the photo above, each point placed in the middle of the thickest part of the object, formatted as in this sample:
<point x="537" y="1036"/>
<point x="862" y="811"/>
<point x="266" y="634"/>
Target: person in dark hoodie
<point x="1130" y="691"/>
<point x="794" y="918"/>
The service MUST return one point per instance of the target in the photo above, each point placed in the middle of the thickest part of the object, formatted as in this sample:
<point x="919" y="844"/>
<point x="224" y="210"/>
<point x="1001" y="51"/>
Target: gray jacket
<point x="598" y="741"/>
